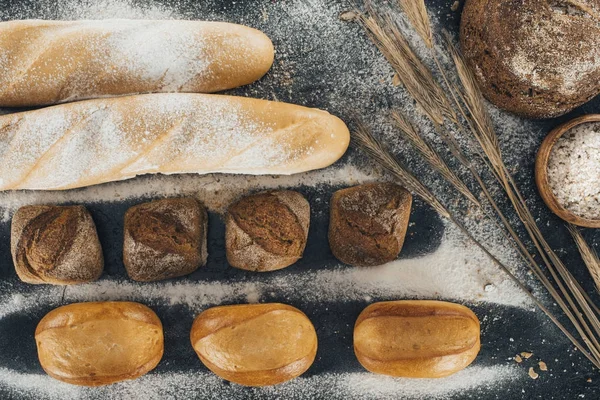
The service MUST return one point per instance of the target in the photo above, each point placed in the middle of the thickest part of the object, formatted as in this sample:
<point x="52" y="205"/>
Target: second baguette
<point x="96" y="141"/>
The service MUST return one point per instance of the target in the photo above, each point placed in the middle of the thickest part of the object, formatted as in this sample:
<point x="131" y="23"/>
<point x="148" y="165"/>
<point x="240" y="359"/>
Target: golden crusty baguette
<point x="96" y="141"/>
<point x="49" y="62"/>
<point x="255" y="344"/>
<point x="99" y="343"/>
<point x="416" y="338"/>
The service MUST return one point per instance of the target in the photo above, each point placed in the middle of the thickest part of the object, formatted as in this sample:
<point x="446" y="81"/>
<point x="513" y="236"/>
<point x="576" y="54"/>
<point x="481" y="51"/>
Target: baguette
<point x="49" y="62"/>
<point x="96" y="141"/>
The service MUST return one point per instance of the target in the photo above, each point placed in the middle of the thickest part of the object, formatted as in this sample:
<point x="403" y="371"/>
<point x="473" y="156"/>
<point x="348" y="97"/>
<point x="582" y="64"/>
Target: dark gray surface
<point x="333" y="321"/>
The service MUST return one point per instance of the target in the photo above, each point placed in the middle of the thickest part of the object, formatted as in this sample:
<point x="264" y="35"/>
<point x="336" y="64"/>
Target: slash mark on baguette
<point x="53" y="145"/>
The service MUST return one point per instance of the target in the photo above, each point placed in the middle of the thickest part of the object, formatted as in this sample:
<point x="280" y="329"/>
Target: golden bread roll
<point x="416" y="338"/>
<point x="48" y="62"/>
<point x="96" y="141"/>
<point x="255" y="344"/>
<point x="99" y="343"/>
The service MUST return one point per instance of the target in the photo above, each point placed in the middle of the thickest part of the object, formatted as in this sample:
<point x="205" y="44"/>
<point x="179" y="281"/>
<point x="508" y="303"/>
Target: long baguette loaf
<point x="95" y="141"/>
<point x="48" y="62"/>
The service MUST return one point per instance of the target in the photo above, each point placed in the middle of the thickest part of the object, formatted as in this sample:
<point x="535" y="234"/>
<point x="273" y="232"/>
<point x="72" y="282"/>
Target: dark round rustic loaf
<point x="55" y="244"/>
<point x="267" y="231"/>
<point x="164" y="239"/>
<point x="535" y="58"/>
<point x="368" y="223"/>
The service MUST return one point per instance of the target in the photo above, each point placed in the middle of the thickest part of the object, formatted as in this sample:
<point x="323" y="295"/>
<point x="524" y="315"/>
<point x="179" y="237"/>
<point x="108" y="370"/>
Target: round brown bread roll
<point x="368" y="223"/>
<point x="267" y="231"/>
<point x="55" y="244"/>
<point x="99" y="343"/>
<point x="536" y="58"/>
<point x="164" y="239"/>
<point x="255" y="344"/>
<point x="416" y="338"/>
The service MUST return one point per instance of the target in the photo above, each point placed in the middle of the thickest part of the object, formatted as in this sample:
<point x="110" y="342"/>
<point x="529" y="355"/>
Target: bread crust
<point x="95" y="141"/>
<point x="49" y="62"/>
<point x="285" y="328"/>
<point x="55" y="245"/>
<point x="255" y="226"/>
<point x="368" y="223"/>
<point x="165" y="239"/>
<point x="114" y="341"/>
<point x="535" y="58"/>
<point x="416" y="338"/>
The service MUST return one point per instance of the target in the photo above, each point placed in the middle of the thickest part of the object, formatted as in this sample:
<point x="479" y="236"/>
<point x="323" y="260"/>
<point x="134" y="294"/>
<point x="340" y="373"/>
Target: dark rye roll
<point x="165" y="239"/>
<point x="267" y="231"/>
<point x="535" y="58"/>
<point x="56" y="245"/>
<point x="368" y="223"/>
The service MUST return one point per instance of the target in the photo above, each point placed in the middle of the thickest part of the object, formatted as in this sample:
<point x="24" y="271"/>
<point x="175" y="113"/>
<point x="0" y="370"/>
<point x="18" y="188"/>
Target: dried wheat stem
<point x="589" y="255"/>
<point x="431" y="156"/>
<point x="417" y="14"/>
<point x="434" y="102"/>
<point x="363" y="139"/>
<point x="487" y="138"/>
<point x="415" y="76"/>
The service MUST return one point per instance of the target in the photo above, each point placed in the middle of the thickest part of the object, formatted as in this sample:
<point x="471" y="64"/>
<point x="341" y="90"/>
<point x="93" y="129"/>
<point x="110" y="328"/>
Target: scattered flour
<point x="342" y="386"/>
<point x="449" y="273"/>
<point x="215" y="191"/>
<point x="454" y="271"/>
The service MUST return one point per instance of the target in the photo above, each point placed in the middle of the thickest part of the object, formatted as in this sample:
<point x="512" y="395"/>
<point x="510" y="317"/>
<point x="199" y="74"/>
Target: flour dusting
<point x="342" y="386"/>
<point x="321" y="61"/>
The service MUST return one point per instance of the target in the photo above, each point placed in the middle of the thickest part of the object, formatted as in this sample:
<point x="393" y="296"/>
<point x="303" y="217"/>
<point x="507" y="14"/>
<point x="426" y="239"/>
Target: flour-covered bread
<point x="164" y="239"/>
<point x="96" y="141"/>
<point x="536" y="58"/>
<point x="48" y="62"/>
<point x="368" y="223"/>
<point x="267" y="231"/>
<point x="56" y="245"/>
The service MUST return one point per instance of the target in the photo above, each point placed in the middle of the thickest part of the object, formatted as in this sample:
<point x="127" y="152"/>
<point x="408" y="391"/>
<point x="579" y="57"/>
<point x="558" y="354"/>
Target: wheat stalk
<point x="589" y="255"/>
<point x="413" y="75"/>
<point x="422" y="86"/>
<point x="431" y="156"/>
<point x="487" y="138"/>
<point x="417" y="14"/>
<point x="365" y="140"/>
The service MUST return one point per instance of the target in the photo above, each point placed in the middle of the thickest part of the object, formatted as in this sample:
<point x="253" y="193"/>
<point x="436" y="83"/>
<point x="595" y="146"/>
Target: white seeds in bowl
<point x="574" y="170"/>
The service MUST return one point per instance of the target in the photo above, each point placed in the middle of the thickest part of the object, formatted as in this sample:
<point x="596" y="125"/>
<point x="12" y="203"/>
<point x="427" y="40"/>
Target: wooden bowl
<point x="541" y="172"/>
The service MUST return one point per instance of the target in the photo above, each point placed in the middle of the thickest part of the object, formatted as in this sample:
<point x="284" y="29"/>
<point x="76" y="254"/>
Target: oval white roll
<point x="96" y="141"/>
<point x="49" y="62"/>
